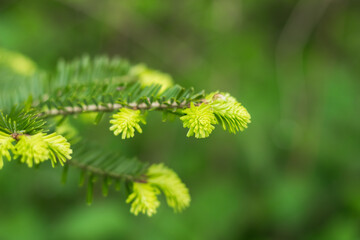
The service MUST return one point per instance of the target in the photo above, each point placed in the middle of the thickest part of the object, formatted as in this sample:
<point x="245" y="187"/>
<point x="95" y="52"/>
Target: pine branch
<point x="108" y="85"/>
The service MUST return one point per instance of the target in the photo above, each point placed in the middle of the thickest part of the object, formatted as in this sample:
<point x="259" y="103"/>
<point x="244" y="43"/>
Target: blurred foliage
<point x="294" y="174"/>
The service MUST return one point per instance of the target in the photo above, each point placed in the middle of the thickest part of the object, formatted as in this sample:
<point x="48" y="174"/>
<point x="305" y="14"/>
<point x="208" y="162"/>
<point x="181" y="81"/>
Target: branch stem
<point x="98" y="171"/>
<point x="70" y="110"/>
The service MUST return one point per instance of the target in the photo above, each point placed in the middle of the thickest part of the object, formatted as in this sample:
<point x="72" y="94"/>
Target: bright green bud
<point x="32" y="149"/>
<point x="143" y="199"/>
<point x="6" y="147"/>
<point x="59" y="148"/>
<point x="35" y="149"/>
<point x="176" y="193"/>
<point x="149" y="77"/>
<point x="126" y="121"/>
<point x="199" y="120"/>
<point x="232" y="114"/>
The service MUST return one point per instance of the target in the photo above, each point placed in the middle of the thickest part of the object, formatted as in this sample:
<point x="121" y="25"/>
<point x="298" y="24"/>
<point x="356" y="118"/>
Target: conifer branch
<point x="129" y="92"/>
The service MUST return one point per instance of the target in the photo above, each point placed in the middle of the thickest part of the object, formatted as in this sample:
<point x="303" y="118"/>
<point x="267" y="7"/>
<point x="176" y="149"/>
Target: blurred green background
<point x="295" y="65"/>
